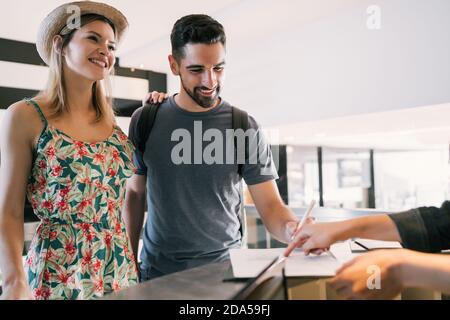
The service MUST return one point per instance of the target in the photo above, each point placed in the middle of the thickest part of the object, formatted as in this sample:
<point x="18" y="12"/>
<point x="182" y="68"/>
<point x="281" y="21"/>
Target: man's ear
<point x="174" y="65"/>
<point x="57" y="44"/>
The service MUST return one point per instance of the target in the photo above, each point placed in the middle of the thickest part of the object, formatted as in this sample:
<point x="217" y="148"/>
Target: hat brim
<point x="58" y="18"/>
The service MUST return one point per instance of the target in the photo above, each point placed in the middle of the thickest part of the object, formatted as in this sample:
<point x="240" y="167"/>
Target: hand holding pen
<point x="293" y="244"/>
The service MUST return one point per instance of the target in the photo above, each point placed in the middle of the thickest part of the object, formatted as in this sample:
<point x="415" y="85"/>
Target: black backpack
<point x="148" y="116"/>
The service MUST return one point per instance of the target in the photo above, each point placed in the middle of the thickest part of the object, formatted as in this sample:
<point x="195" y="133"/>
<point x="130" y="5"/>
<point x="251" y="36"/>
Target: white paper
<point x="299" y="265"/>
<point x="374" y="244"/>
<point x="342" y="252"/>
<point x="248" y="263"/>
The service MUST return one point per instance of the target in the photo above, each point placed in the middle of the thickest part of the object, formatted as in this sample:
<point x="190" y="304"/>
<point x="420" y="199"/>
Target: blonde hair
<point x="55" y="91"/>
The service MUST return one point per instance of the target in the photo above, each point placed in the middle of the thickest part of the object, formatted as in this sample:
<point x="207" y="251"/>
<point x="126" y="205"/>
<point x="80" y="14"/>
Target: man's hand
<point x="357" y="279"/>
<point x="293" y="233"/>
<point x="154" y="97"/>
<point x="316" y="237"/>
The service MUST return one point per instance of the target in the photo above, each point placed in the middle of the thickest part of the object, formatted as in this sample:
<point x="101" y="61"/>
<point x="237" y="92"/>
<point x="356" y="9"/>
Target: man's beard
<point x="202" y="101"/>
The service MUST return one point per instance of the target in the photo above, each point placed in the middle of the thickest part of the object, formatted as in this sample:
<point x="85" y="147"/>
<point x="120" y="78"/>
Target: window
<point x="303" y="175"/>
<point x="346" y="178"/>
<point x="409" y="179"/>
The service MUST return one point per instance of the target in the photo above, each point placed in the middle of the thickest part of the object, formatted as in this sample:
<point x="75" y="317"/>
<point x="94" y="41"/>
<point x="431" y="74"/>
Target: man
<point x="193" y="194"/>
<point x="425" y="229"/>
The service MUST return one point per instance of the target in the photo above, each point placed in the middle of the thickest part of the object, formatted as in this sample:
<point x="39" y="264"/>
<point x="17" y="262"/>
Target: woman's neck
<point x="78" y="92"/>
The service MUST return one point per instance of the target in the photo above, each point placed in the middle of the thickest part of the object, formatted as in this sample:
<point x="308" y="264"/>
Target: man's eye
<point x="218" y="68"/>
<point x="112" y="48"/>
<point x="196" y="70"/>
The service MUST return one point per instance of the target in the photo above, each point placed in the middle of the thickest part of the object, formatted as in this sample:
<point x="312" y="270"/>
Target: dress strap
<point x="38" y="109"/>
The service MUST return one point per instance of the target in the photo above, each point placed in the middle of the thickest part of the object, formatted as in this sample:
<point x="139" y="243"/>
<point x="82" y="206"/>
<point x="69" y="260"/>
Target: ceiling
<point x="408" y="129"/>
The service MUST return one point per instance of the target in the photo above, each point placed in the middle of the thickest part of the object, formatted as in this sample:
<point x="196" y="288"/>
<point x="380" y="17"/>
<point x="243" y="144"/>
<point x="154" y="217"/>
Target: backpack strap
<point x="240" y="121"/>
<point x="145" y="124"/>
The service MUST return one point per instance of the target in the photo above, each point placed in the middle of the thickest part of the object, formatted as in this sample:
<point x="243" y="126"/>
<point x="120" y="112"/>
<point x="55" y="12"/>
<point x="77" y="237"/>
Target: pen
<point x="302" y="222"/>
<point x="304" y="218"/>
<point x="361" y="245"/>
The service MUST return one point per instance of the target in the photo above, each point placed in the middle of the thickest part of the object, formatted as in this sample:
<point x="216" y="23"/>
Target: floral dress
<point x="80" y="249"/>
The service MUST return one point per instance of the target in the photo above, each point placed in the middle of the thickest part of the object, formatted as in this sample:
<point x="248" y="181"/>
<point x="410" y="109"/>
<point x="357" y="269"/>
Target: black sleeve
<point x="424" y="229"/>
<point x="133" y="135"/>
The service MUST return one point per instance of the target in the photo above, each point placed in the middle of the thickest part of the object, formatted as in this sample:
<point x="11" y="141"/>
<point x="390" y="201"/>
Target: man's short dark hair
<point x="195" y="28"/>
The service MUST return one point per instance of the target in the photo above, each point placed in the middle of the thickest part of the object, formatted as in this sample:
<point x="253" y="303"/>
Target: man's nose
<point x="209" y="79"/>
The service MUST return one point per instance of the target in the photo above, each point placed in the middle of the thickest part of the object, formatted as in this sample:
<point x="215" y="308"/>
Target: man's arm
<point x="425" y="270"/>
<point x="322" y="235"/>
<point x="425" y="229"/>
<point x="379" y="227"/>
<point x="134" y="209"/>
<point x="277" y="217"/>
<point x="398" y="269"/>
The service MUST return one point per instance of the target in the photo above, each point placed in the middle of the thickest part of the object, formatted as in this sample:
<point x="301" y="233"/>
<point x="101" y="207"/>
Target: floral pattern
<point x="80" y="249"/>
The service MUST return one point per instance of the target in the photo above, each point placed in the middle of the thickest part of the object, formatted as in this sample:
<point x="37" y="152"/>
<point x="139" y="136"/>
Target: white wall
<point x="337" y="66"/>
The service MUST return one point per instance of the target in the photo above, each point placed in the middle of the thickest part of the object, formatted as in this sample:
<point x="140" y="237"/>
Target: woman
<point x="65" y="152"/>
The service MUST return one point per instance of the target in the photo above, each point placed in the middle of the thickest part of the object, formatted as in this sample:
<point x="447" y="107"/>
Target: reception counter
<point x="202" y="283"/>
<point x="207" y="283"/>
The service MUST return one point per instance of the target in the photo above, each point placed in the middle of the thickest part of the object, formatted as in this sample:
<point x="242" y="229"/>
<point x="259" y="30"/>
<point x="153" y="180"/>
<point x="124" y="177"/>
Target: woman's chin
<point x="96" y="76"/>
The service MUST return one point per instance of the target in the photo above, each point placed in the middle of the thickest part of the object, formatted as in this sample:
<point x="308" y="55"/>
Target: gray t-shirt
<point x="193" y="205"/>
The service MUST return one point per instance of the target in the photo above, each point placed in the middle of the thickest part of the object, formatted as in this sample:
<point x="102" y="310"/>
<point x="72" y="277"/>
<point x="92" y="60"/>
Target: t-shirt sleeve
<point x="424" y="229"/>
<point x="259" y="165"/>
<point x="133" y="134"/>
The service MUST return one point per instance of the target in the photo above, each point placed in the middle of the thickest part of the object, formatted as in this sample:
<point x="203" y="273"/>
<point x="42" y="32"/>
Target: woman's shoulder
<point x="22" y="115"/>
<point x="19" y="111"/>
<point x="27" y="108"/>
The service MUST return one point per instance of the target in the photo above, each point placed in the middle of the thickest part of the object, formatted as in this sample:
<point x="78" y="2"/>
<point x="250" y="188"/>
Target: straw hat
<point x="58" y="19"/>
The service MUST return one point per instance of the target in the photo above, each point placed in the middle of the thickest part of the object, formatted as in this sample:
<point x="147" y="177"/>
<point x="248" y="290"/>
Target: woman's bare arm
<point x="16" y="143"/>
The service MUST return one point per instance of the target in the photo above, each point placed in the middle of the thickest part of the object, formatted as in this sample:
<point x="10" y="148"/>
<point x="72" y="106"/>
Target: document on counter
<point x="361" y="245"/>
<point x="248" y="263"/>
